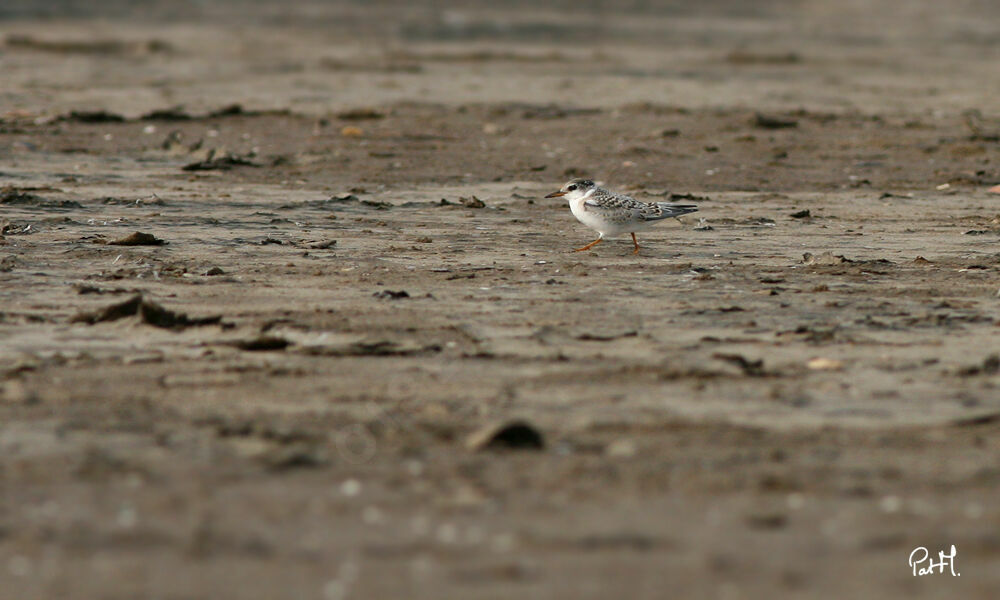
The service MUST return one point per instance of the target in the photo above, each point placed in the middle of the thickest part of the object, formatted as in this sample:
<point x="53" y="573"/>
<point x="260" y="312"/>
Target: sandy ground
<point x="783" y="395"/>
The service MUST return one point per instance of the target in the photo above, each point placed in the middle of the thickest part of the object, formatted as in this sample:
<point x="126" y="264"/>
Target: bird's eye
<point x="571" y="188"/>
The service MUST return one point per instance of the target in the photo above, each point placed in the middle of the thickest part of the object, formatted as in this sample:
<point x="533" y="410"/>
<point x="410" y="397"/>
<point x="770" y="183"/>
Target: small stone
<point x="391" y="294"/>
<point x="214" y="271"/>
<point x="351" y="131"/>
<point x="472" y="202"/>
<point x="823" y="259"/>
<point x="127" y="517"/>
<point x="15" y="392"/>
<point x="262" y="343"/>
<point x="825" y="364"/>
<point x="890" y="504"/>
<point x="296" y="455"/>
<point x="767" y="521"/>
<point x="773" y="122"/>
<point x="350" y="487"/>
<point x="447" y="533"/>
<point x="621" y="449"/>
<point x="414" y="467"/>
<point x="360" y="114"/>
<point x="795" y="500"/>
<point x="138" y="239"/>
<point x="510" y="435"/>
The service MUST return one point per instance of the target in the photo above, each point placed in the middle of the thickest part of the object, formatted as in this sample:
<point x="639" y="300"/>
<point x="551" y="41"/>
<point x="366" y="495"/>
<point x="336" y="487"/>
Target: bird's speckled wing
<point x="621" y="208"/>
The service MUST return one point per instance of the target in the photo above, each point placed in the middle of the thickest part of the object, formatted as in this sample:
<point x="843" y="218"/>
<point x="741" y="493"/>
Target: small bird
<point x="612" y="214"/>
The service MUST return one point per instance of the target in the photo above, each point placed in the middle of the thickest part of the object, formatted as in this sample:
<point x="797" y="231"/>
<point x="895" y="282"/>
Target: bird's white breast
<point x="588" y="218"/>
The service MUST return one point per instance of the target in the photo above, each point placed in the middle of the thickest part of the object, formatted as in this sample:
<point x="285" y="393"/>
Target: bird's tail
<point x="675" y="210"/>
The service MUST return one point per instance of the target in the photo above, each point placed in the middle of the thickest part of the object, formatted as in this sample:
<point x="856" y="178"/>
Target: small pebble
<point x="890" y="504"/>
<point x="621" y="449"/>
<point x="350" y="488"/>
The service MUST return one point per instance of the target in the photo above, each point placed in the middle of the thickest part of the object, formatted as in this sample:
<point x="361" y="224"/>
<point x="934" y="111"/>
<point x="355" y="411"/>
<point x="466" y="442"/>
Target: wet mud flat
<point x="811" y="371"/>
<point x="260" y="346"/>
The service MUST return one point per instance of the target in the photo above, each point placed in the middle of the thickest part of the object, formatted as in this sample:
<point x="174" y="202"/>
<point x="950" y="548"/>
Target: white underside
<point x="605" y="228"/>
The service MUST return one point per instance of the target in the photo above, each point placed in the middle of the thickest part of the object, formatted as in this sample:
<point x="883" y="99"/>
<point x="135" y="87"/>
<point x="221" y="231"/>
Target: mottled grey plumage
<point x="613" y="214"/>
<point x="623" y="209"/>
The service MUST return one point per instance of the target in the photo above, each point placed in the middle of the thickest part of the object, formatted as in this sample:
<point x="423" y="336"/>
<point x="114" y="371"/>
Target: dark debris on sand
<point x="148" y="312"/>
<point x="138" y="239"/>
<point x="219" y="163"/>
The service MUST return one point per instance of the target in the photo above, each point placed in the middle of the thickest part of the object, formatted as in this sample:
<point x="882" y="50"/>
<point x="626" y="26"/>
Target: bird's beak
<point x="556" y="194"/>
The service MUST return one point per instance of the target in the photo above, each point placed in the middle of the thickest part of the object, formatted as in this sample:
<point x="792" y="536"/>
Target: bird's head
<point x="574" y="189"/>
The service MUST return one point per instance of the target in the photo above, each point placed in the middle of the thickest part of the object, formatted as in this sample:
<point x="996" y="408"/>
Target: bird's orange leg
<point x="590" y="245"/>
<point x="636" y="242"/>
